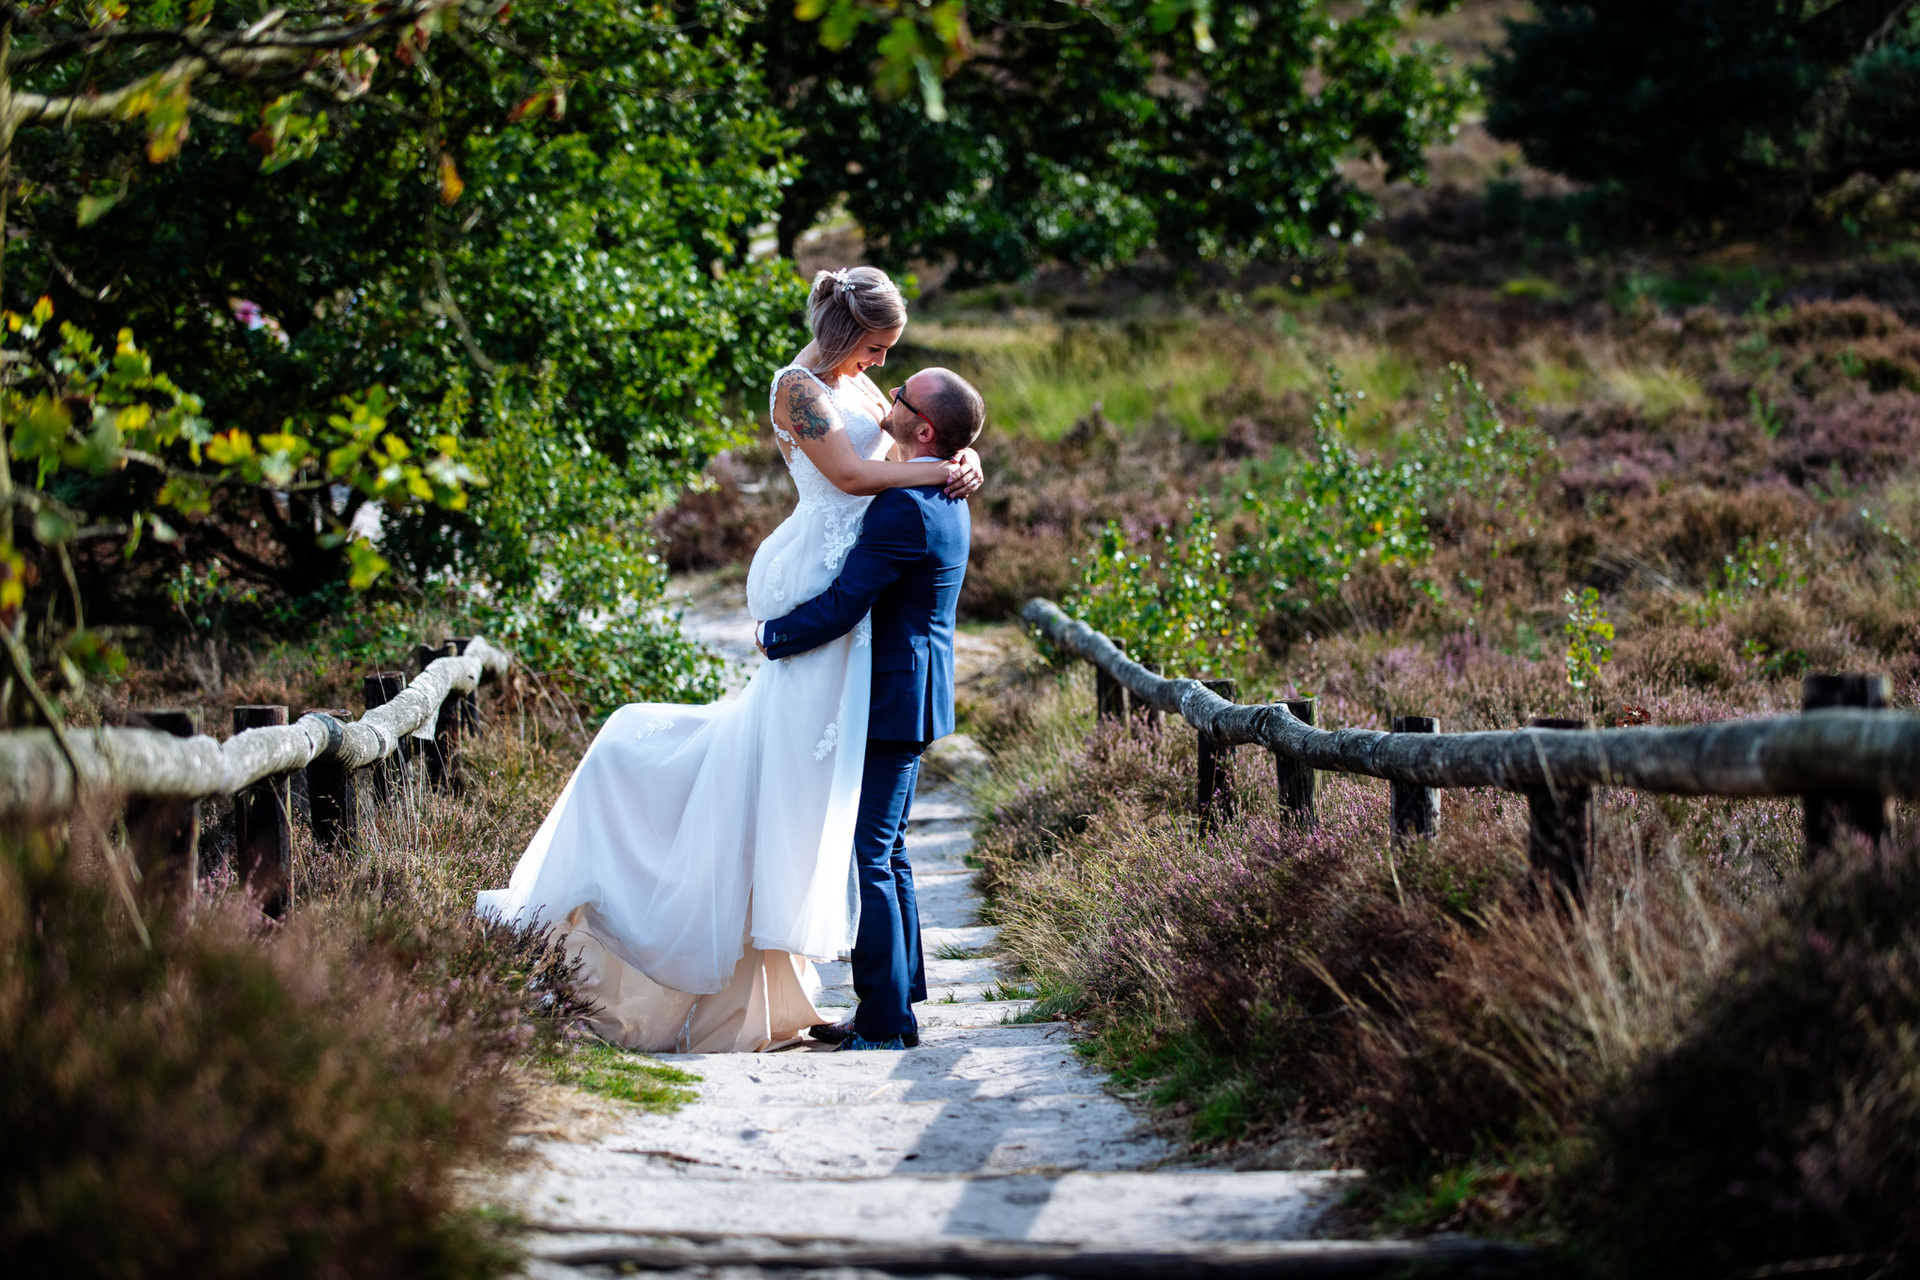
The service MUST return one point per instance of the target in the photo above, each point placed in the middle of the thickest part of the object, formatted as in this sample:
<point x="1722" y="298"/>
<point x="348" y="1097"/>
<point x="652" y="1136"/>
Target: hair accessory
<point x="841" y="278"/>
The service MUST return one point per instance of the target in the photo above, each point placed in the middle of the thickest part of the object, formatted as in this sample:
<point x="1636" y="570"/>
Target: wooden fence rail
<point x="162" y="770"/>
<point x="1845" y="761"/>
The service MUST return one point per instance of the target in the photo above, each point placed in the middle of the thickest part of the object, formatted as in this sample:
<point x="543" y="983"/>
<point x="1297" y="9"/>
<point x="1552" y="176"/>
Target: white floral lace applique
<point x="784" y="434"/>
<point x="863" y="632"/>
<point x="843" y="530"/>
<point x="827" y="743"/>
<point x="650" y="727"/>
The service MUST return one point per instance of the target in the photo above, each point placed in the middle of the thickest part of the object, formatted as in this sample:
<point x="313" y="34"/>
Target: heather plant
<point x="370" y="1052"/>
<point x="216" y="1103"/>
<point x="1783" y="1123"/>
<point x="1422" y="1010"/>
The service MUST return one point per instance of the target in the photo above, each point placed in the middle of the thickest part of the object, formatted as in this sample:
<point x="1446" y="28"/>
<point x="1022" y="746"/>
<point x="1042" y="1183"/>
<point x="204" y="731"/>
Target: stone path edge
<point x="1438" y="1256"/>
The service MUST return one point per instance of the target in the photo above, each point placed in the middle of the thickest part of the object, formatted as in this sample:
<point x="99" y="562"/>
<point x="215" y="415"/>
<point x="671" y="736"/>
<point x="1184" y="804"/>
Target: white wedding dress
<point x="701" y="856"/>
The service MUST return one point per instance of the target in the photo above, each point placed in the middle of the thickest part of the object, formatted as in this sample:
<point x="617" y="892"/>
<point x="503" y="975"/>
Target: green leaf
<point x="50" y="527"/>
<point x="88" y="653"/>
<point x="93" y="208"/>
<point x="167" y="119"/>
<point x="285" y="134"/>
<point x="367" y="563"/>
<point x="41" y="431"/>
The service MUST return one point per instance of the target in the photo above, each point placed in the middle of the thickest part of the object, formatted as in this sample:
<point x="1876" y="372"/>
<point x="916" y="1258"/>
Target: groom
<point x="906" y="570"/>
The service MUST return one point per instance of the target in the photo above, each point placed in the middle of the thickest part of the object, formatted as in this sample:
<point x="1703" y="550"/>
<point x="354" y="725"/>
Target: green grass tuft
<point x="613" y="1072"/>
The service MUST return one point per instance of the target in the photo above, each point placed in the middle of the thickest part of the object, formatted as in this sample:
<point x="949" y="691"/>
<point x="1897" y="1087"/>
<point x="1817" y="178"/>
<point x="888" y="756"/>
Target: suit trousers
<point x="889" y="972"/>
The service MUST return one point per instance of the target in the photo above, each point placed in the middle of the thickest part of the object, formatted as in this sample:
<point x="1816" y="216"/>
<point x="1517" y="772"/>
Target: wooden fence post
<point x="333" y="794"/>
<point x="263" y="825"/>
<point x="1111" y="700"/>
<point x="165" y="834"/>
<point x="1296" y="779"/>
<point x="446" y="729"/>
<point x="1215" y="797"/>
<point x="1560" y="825"/>
<point x="1109" y="696"/>
<point x="1825" y="814"/>
<point x="1153" y="716"/>
<point x="377" y="690"/>
<point x="1415" y="811"/>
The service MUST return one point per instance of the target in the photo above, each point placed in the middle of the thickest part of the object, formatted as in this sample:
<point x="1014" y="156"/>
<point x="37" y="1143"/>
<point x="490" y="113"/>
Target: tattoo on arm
<point x="810" y="416"/>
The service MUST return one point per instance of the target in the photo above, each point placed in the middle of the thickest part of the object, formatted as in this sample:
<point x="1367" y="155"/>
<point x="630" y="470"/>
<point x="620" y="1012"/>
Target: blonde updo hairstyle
<point x="847" y="305"/>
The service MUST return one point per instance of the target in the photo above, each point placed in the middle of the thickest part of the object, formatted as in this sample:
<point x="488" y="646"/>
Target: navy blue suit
<point x="906" y="571"/>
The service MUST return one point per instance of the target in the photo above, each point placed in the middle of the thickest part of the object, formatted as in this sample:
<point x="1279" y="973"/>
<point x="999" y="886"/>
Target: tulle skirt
<point x="693" y="839"/>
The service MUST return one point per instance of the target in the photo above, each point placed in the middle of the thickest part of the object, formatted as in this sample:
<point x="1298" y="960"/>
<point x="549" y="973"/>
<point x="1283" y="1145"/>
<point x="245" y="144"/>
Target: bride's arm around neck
<point x="803" y="409"/>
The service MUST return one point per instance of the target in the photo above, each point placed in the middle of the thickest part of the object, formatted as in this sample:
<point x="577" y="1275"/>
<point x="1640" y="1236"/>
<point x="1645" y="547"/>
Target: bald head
<point x="952" y="405"/>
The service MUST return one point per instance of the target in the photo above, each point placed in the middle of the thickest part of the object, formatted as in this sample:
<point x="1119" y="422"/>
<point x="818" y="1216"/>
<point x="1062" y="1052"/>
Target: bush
<point x="223" y="1104"/>
<point x="1176" y="616"/>
<point x="565" y="573"/>
<point x="1785" y="1124"/>
<point x="1324" y="518"/>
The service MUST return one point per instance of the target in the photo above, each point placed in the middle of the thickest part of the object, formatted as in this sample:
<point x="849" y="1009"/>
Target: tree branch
<point x="244" y="56"/>
<point x="266" y="34"/>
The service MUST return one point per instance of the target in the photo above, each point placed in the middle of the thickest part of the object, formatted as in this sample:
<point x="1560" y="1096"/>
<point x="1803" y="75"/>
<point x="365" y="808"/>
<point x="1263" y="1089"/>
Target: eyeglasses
<point x="899" y="394"/>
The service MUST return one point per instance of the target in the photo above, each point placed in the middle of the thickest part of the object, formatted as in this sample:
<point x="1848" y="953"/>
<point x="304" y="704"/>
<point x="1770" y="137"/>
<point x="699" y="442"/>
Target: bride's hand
<point x="964" y="475"/>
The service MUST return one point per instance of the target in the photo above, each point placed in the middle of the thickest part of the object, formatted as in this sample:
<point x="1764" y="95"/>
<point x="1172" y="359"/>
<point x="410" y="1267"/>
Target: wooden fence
<point x="164" y="770"/>
<point x="1845" y="755"/>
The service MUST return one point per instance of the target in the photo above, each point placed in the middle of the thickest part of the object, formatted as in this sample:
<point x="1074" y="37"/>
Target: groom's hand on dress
<point x="964" y="476"/>
<point x="758" y="643"/>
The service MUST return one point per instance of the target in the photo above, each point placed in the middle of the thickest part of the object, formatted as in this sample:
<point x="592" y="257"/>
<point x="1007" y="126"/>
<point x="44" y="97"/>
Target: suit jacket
<point x="906" y="570"/>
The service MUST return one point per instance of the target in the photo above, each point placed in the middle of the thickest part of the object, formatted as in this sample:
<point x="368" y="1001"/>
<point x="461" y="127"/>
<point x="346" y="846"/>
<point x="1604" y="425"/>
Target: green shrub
<point x="1589" y="638"/>
<point x="563" y="570"/>
<point x="1785" y="1125"/>
<point x="1177" y="615"/>
<point x="1325" y="516"/>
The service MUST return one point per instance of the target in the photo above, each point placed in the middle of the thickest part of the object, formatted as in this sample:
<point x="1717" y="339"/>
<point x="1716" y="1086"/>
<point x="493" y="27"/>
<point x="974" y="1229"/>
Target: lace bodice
<point x="863" y="431"/>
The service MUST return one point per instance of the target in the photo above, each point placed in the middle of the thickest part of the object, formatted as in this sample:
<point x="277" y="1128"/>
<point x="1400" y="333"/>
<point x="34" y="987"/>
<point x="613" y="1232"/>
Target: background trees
<point x="1091" y="134"/>
<point x="1741" y="109"/>
<point x="473" y="282"/>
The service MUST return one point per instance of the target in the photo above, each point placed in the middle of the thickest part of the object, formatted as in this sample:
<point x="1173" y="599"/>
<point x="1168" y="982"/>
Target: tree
<point x="78" y="415"/>
<point x="1711" y="108"/>
<point x="537" y="221"/>
<point x="1091" y="133"/>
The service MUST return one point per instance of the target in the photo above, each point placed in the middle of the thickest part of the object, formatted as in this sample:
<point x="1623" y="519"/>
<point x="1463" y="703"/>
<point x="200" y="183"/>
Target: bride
<point x="699" y="857"/>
